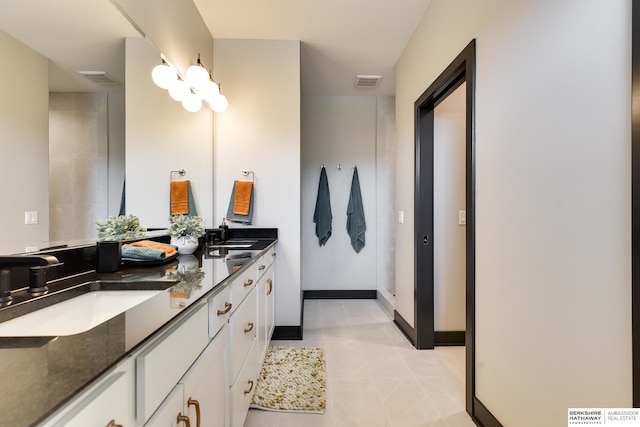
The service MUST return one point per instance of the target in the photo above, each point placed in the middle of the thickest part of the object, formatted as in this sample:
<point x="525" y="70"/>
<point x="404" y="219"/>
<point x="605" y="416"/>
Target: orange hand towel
<point x="179" y="193"/>
<point x="242" y="199"/>
<point x="168" y="249"/>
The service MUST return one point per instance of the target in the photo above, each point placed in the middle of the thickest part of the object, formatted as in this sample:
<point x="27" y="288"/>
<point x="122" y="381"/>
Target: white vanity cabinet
<point x="266" y="312"/>
<point x="201" y="396"/>
<point x="199" y="370"/>
<point x="108" y="403"/>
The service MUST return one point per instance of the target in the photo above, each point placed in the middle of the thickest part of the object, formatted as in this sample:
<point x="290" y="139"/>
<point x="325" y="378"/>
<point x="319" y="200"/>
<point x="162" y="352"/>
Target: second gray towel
<point x="356" y="225"/>
<point x="322" y="215"/>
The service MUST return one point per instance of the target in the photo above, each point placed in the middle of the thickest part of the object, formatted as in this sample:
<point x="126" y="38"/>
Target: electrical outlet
<point x="31" y="249"/>
<point x="400" y="217"/>
<point x="31" y="217"/>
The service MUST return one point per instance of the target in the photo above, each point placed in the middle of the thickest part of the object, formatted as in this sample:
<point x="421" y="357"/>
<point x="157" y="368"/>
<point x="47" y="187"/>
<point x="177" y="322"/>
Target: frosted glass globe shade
<point x="208" y="91"/>
<point x="219" y="103"/>
<point x="163" y="76"/>
<point x="197" y="76"/>
<point x="192" y="103"/>
<point x="179" y="90"/>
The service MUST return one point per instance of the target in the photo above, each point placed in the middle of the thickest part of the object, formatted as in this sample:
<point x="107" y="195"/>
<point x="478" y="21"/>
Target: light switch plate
<point x="462" y="217"/>
<point x="400" y="217"/>
<point x="31" y="217"/>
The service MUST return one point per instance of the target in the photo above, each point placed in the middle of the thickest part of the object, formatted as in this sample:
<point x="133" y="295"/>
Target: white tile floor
<point x="375" y="378"/>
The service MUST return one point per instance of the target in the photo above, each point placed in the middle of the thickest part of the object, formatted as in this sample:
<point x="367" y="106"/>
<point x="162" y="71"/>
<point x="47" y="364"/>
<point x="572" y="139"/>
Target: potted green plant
<point x="117" y="228"/>
<point x="185" y="232"/>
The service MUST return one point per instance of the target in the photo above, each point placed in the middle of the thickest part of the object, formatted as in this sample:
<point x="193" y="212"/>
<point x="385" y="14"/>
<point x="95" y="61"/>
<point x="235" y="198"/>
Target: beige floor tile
<point x="375" y="377"/>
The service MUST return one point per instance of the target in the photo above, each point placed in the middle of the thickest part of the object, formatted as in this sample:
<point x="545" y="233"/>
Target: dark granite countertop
<point x="39" y="374"/>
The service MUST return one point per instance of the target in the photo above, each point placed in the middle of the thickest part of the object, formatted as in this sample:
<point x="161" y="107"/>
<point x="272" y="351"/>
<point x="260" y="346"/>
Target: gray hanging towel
<point x="356" y="225"/>
<point x="322" y="215"/>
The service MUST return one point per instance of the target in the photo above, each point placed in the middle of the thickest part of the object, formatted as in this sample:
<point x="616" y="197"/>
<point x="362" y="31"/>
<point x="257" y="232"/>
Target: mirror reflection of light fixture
<point x="196" y="86"/>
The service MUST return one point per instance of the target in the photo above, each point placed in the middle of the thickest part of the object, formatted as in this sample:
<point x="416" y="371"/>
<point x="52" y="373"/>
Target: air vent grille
<point x="99" y="77"/>
<point x="367" y="81"/>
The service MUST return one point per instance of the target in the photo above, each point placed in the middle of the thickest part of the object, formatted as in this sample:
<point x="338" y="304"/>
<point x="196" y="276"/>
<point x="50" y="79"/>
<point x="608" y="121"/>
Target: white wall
<point x="260" y="131"/>
<point x="553" y="286"/>
<point x="449" y="193"/>
<point x="24" y="145"/>
<point x="162" y="136"/>
<point x="339" y="131"/>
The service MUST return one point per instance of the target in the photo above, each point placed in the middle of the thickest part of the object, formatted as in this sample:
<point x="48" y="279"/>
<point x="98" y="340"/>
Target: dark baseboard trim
<point x="483" y="416"/>
<point x="287" y="333"/>
<point x="341" y="294"/>
<point x="449" y="338"/>
<point x="404" y="327"/>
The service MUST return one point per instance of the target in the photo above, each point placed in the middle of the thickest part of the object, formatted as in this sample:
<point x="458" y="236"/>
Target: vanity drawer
<point x="220" y="308"/>
<point x="242" y="285"/>
<point x="265" y="261"/>
<point x="160" y="366"/>
<point x="243" y="332"/>
<point x="242" y="390"/>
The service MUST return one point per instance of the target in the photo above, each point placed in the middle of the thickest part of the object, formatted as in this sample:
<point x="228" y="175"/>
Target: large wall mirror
<point x="62" y="137"/>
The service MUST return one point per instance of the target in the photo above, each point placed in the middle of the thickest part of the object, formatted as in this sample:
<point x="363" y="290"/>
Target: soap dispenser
<point x="224" y="229"/>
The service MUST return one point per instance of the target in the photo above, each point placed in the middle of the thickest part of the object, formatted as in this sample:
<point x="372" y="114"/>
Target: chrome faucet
<point x="39" y="266"/>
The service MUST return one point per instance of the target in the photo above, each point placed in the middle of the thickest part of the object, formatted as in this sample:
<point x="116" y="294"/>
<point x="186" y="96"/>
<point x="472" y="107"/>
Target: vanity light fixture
<point x="164" y="75"/>
<point x="196" y="86"/>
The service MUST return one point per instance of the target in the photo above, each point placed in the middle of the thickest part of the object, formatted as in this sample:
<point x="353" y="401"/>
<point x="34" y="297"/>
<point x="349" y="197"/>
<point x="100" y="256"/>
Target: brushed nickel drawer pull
<point x="227" y="308"/>
<point x="249" y="327"/>
<point x="262" y="267"/>
<point x="248" y="283"/>
<point x="183" y="418"/>
<point x="112" y="423"/>
<point x="270" y="282"/>
<point x="250" y="387"/>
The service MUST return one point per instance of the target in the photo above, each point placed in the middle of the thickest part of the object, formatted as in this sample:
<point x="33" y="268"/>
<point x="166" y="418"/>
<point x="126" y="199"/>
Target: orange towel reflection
<point x="242" y="199"/>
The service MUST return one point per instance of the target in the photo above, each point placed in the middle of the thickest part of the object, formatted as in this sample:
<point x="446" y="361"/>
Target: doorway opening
<point x="459" y="74"/>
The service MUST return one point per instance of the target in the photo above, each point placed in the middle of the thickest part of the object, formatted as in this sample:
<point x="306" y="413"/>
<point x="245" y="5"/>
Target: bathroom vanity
<point x="188" y="354"/>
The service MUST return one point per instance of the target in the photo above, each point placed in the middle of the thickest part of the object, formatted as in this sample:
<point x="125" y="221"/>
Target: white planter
<point x="185" y="246"/>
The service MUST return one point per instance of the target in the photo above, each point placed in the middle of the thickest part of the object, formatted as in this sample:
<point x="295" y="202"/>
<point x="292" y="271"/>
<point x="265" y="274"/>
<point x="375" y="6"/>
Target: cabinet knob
<point x="270" y="282"/>
<point x="112" y="423"/>
<point x="183" y="418"/>
<point x="249" y="328"/>
<point x="250" y="382"/>
<point x="248" y="283"/>
<point x="261" y="267"/>
<point x="227" y="308"/>
<point x="193" y="402"/>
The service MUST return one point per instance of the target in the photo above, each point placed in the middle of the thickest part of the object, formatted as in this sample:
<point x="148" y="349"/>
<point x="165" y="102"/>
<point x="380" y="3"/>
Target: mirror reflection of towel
<point x="356" y="225"/>
<point x="322" y="215"/>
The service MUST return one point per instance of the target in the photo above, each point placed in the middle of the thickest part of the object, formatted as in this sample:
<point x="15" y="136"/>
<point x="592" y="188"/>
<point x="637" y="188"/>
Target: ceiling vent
<point x="99" y="77"/>
<point x="367" y="81"/>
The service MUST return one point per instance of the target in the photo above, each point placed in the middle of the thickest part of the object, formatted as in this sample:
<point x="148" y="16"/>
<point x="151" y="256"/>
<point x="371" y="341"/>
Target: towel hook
<point x="247" y="172"/>
<point x="180" y="172"/>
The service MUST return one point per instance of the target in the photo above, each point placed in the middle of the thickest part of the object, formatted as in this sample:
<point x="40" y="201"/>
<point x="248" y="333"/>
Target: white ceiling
<point x="76" y="35"/>
<point x="340" y="38"/>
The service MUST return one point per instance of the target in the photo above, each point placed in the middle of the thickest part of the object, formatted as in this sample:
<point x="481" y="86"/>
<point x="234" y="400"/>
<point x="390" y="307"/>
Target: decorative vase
<point x="185" y="245"/>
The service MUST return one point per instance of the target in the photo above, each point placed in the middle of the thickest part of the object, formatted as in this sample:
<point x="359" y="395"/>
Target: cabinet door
<point x="206" y="387"/>
<point x="266" y="313"/>
<point x="168" y="413"/>
<point x="111" y="400"/>
<point x="270" y="303"/>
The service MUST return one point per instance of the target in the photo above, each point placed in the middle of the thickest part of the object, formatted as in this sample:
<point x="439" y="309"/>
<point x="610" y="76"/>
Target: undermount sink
<point x="75" y="315"/>
<point x="234" y="244"/>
